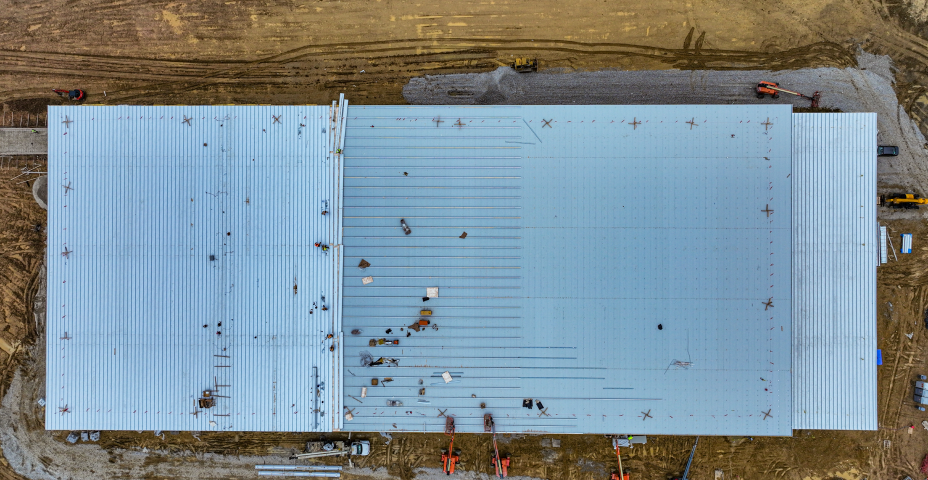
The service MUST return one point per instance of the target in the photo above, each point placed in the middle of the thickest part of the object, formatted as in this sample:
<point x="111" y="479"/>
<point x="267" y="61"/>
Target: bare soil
<point x="307" y="52"/>
<point x="22" y="247"/>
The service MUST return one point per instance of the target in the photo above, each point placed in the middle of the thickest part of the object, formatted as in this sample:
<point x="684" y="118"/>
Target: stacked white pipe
<point x="324" y="471"/>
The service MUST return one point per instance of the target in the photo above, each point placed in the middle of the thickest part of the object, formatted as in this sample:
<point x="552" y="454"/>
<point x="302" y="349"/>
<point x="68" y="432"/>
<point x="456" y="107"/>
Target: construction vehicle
<point x="500" y="464"/>
<point x="76" y="94"/>
<point x="902" y="200"/>
<point x="773" y="89"/>
<point x="689" y="462"/>
<point x="525" y="65"/>
<point x="887" y="151"/>
<point x="449" y="457"/>
<point x="621" y="474"/>
<point x="322" y="449"/>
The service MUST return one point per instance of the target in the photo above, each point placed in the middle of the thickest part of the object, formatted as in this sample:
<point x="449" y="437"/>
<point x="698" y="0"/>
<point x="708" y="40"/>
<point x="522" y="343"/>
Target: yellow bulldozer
<point x="524" y="65"/>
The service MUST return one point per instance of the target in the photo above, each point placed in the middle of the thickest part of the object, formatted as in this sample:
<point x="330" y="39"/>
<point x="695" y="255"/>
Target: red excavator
<point x="773" y="89"/>
<point x="76" y="95"/>
<point x="449" y="457"/>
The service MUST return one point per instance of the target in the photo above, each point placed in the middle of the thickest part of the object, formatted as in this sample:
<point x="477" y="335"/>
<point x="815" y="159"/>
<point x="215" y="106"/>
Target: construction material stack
<point x="334" y="449"/>
<point x="921" y="394"/>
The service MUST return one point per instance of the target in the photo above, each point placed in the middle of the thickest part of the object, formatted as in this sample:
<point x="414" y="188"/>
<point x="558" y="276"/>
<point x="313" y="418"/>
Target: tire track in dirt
<point x="39" y="12"/>
<point x="902" y="298"/>
<point x="20" y="265"/>
<point x="825" y="53"/>
<point x="408" y="56"/>
<point x="910" y="54"/>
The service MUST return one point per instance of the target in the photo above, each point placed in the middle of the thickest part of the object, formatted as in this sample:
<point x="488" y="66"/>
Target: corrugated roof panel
<point x="906" y="243"/>
<point x="834" y="271"/>
<point x="587" y="227"/>
<point x="884" y="256"/>
<point x="181" y="259"/>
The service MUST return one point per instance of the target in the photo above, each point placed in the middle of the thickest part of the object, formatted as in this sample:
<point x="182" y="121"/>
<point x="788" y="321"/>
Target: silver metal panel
<point x="140" y="201"/>
<point x="884" y="257"/>
<point x="834" y="271"/>
<point x="587" y="227"/>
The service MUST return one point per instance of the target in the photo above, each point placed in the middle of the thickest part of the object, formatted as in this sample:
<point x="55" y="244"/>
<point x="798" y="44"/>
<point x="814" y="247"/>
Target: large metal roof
<point x="182" y="259"/>
<point x="628" y="266"/>
<point x="642" y="269"/>
<point x="835" y="255"/>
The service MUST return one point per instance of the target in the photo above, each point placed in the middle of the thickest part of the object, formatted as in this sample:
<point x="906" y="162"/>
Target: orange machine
<point x="617" y="476"/>
<point x="76" y="94"/>
<point x="449" y="457"/>
<point x="500" y="464"/>
<point x="773" y="89"/>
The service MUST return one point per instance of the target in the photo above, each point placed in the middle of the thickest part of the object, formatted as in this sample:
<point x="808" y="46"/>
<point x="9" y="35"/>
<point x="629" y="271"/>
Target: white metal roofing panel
<point x="906" y="243"/>
<point x="834" y="271"/>
<point x="587" y="227"/>
<point x="884" y="255"/>
<point x="181" y="259"/>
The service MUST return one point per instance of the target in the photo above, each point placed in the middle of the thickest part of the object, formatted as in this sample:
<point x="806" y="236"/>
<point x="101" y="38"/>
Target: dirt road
<point x="307" y="52"/>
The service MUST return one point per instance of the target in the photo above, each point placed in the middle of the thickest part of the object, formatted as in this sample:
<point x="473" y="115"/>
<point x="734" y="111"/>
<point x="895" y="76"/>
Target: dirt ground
<point x="22" y="246"/>
<point x="295" y="52"/>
